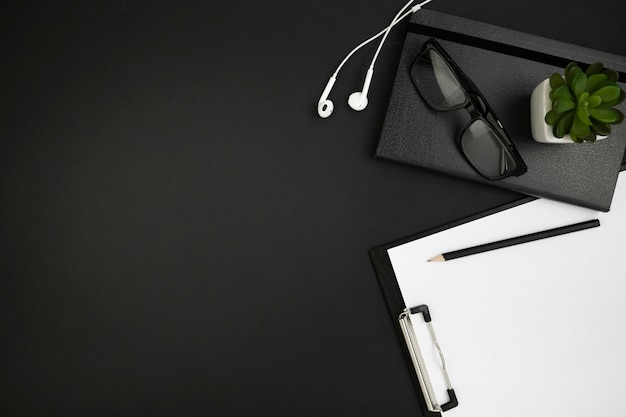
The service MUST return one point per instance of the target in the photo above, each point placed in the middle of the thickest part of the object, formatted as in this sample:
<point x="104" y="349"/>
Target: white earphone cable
<point x="381" y="33"/>
<point x="395" y="21"/>
<point x="378" y="35"/>
<point x="358" y="100"/>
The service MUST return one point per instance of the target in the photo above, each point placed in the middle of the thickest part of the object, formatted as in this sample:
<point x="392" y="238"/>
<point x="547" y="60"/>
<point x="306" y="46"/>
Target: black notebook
<point x="506" y="65"/>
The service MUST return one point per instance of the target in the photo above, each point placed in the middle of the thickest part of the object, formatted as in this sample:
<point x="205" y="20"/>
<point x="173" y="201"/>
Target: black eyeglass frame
<point x="476" y="105"/>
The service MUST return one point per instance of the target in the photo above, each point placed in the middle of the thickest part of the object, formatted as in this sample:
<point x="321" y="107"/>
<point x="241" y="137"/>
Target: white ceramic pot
<point x="540" y="104"/>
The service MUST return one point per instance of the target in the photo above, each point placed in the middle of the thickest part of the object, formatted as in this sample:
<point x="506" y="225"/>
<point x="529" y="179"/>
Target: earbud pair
<point x="358" y="100"/>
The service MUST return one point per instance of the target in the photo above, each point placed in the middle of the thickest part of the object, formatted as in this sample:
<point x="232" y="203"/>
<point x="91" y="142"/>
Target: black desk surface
<point x="180" y="234"/>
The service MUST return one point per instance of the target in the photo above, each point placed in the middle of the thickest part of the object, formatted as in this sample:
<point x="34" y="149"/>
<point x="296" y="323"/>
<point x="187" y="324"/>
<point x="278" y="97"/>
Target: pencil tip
<point x="438" y="258"/>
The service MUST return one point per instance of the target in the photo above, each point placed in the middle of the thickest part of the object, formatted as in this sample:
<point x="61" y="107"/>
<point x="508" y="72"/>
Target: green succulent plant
<point x="582" y="102"/>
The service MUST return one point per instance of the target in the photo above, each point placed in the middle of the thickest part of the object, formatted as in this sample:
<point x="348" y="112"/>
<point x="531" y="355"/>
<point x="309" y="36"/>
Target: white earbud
<point x="324" y="105"/>
<point x="358" y="100"/>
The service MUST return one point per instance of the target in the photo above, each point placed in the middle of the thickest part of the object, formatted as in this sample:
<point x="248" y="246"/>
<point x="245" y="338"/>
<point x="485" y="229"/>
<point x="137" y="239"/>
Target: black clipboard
<point x="592" y="283"/>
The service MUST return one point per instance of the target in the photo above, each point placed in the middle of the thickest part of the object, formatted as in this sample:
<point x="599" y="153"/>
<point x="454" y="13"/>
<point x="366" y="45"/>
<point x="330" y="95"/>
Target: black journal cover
<point x="506" y="65"/>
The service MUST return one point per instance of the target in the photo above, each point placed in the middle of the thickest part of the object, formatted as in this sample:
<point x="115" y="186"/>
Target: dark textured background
<point x="180" y="234"/>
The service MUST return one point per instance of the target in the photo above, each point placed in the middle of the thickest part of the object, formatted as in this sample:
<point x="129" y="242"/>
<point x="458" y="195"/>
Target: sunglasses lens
<point x="486" y="151"/>
<point x="436" y="81"/>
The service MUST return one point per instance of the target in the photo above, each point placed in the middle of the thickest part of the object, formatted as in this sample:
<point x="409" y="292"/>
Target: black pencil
<point x="515" y="240"/>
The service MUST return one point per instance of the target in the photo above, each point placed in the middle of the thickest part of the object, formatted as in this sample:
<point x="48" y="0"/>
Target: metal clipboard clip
<point x="418" y="360"/>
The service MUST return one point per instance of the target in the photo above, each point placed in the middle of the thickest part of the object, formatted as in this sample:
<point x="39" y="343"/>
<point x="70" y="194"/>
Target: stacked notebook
<point x="505" y="65"/>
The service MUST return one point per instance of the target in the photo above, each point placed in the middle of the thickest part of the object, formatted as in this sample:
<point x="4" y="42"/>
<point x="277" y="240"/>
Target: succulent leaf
<point x="571" y="75"/>
<point x="575" y="138"/>
<point x="582" y="99"/>
<point x="600" y="128"/>
<point x="579" y="127"/>
<point x="622" y="96"/>
<point x="594" y="68"/>
<point x="556" y="80"/>
<point x="579" y="82"/>
<point x="552" y="117"/>
<point x="606" y="115"/>
<point x="583" y="116"/>
<point x="561" y="92"/>
<point x="594" y="81"/>
<point x="591" y="137"/>
<point x="594" y="101"/>
<point x="563" y="104"/>
<point x="563" y="126"/>
<point x="569" y="67"/>
<point x="612" y="75"/>
<point x="609" y="93"/>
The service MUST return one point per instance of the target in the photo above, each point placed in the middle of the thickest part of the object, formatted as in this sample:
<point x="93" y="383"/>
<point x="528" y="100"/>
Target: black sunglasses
<point x="484" y="142"/>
